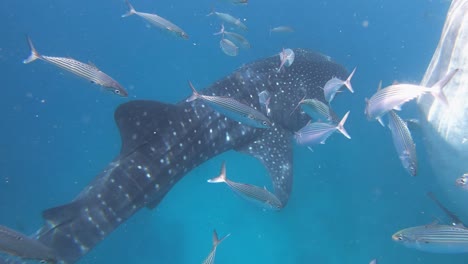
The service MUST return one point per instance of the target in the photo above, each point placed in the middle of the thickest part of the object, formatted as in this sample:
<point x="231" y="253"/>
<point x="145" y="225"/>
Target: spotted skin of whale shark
<point x="163" y="142"/>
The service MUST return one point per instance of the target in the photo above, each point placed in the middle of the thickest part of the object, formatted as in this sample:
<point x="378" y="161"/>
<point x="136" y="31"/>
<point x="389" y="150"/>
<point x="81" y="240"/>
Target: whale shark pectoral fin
<point x="141" y="122"/>
<point x="275" y="150"/>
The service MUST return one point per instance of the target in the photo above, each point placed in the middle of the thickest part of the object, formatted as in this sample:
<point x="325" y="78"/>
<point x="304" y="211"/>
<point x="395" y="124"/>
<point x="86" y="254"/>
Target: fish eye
<point x="117" y="91"/>
<point x="265" y="123"/>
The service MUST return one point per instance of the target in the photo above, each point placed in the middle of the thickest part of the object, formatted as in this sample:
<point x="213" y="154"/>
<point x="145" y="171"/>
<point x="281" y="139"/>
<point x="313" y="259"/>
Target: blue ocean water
<point x="349" y="196"/>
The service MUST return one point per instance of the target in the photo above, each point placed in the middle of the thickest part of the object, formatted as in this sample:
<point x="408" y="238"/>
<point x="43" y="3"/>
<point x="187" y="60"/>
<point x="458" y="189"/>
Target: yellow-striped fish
<point x="157" y="21"/>
<point x="83" y="70"/>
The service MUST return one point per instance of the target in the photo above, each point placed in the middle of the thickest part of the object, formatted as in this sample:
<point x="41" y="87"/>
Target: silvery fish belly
<point x="446" y="128"/>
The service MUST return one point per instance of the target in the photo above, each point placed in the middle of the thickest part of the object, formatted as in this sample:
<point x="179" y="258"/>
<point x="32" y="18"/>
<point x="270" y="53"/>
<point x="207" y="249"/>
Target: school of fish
<point x="324" y="122"/>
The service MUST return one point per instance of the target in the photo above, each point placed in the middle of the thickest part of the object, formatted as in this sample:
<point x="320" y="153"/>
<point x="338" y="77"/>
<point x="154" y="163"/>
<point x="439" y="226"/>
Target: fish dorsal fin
<point x="143" y="122"/>
<point x="90" y="63"/>
<point x="380" y="86"/>
<point x="274" y="150"/>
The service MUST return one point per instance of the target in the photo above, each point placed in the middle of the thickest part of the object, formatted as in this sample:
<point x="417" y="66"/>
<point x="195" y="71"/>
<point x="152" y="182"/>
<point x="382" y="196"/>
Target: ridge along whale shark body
<point x="162" y="142"/>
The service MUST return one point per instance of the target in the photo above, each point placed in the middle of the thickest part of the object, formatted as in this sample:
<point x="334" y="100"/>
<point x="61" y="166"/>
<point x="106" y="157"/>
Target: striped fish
<point x="211" y="257"/>
<point x="315" y="109"/>
<point x="233" y="109"/>
<point x="394" y="96"/>
<point x="20" y="245"/>
<point x="434" y="238"/>
<point x="228" y="47"/>
<point x="83" y="70"/>
<point x="462" y="181"/>
<point x="286" y="58"/>
<point x="403" y="142"/>
<point x="250" y="192"/>
<point x="234" y="37"/>
<point x="334" y="84"/>
<point x="229" y="19"/>
<point x="318" y="132"/>
<point x="157" y="21"/>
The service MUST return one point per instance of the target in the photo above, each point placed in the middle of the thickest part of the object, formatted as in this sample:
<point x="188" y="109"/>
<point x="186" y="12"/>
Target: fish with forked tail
<point x="248" y="191"/>
<point x="83" y="70"/>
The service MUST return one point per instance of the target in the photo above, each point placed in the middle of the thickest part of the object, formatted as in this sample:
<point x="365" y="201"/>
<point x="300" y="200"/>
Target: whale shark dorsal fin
<point x="141" y="122"/>
<point x="62" y="214"/>
<point x="274" y="150"/>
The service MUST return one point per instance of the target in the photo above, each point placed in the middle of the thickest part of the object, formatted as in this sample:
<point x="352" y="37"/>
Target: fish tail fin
<point x="436" y="89"/>
<point x="131" y="10"/>
<point x="216" y="240"/>
<point x="298" y="104"/>
<point x="221" y="177"/>
<point x="220" y="32"/>
<point x="195" y="94"/>
<point x="34" y="54"/>
<point x="212" y="11"/>
<point x="347" y="83"/>
<point x="341" y="128"/>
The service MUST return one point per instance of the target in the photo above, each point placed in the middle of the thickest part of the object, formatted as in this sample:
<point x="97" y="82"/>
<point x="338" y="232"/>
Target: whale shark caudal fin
<point x="275" y="150"/>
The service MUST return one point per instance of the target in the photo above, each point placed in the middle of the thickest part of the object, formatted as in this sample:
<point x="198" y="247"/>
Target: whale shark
<point x="161" y="142"/>
<point x="446" y="127"/>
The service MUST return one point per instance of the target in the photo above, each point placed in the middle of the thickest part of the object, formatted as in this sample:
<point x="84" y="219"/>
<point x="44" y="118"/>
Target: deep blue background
<point x="349" y="196"/>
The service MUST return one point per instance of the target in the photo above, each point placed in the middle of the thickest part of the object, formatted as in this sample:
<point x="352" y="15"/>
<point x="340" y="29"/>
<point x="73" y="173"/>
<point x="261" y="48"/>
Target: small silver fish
<point x="264" y="98"/>
<point x="20" y="245"/>
<point x="211" y="257"/>
<point x="334" y="84"/>
<point x="157" y="21"/>
<point x="286" y="57"/>
<point x="236" y="2"/>
<point x="250" y="192"/>
<point x="315" y="109"/>
<point x="374" y="261"/>
<point x="229" y="19"/>
<point x="236" y="38"/>
<point x="434" y="238"/>
<point x="403" y="142"/>
<point x="394" y="96"/>
<point x="462" y="181"/>
<point x="233" y="109"/>
<point x="318" y="132"/>
<point x="281" y="29"/>
<point x="228" y="47"/>
<point x="83" y="70"/>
